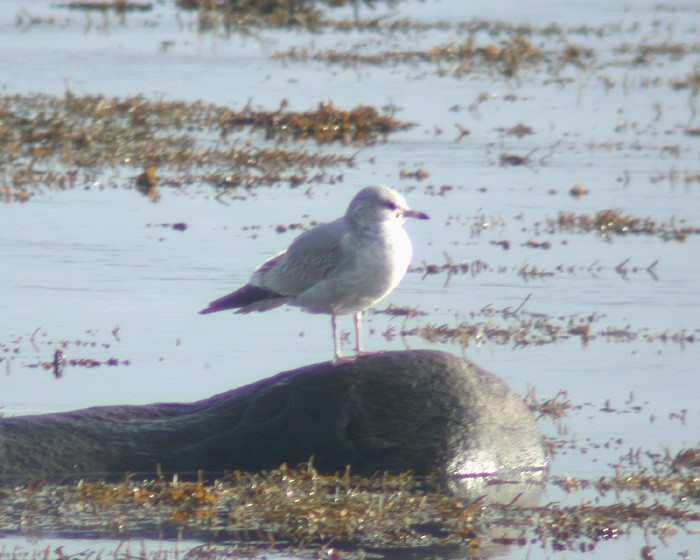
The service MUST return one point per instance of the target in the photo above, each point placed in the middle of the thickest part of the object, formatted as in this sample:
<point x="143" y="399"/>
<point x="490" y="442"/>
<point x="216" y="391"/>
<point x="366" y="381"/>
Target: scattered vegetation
<point x="555" y="407"/>
<point x="508" y="57"/>
<point x="520" y="130"/>
<point x="510" y="50"/>
<point x="675" y="476"/>
<point x="39" y="350"/>
<point x="645" y="52"/>
<point x="119" y="6"/>
<point x="507" y="160"/>
<point x="522" y="328"/>
<point x="451" y="268"/>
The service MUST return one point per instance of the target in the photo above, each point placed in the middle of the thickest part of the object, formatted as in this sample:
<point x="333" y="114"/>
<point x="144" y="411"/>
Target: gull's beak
<point x="416" y="214"/>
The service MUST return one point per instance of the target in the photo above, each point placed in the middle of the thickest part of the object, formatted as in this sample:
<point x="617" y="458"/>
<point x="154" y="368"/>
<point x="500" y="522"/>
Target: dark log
<point x="423" y="411"/>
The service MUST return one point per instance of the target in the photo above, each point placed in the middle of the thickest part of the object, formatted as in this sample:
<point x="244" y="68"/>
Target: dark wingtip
<point x="240" y="299"/>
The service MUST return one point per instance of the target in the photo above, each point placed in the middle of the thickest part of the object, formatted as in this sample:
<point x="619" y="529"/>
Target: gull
<point x="339" y="268"/>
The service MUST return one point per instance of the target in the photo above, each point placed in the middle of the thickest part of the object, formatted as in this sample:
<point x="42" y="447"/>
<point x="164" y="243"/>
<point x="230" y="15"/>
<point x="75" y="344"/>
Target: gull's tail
<point x="246" y="299"/>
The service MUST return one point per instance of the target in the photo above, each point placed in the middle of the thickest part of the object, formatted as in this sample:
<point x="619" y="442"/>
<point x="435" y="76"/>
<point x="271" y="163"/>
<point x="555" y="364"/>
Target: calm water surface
<point x="93" y="271"/>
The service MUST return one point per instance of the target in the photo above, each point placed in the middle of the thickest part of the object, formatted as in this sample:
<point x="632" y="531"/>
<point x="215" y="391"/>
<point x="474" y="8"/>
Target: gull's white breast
<point x="373" y="263"/>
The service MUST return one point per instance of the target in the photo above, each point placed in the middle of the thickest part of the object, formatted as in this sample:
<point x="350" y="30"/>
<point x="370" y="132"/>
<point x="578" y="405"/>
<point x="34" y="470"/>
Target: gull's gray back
<point x="312" y="257"/>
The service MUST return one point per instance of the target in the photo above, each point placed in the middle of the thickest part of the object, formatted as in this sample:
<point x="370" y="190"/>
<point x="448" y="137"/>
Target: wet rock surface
<point x="423" y="411"/>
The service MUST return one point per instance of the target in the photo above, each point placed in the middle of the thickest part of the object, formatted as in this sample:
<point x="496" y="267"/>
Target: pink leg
<point x="339" y="358"/>
<point x="358" y="332"/>
<point x="336" y="342"/>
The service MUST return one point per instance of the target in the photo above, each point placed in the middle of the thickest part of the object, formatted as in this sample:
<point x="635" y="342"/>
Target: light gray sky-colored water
<point x="77" y="264"/>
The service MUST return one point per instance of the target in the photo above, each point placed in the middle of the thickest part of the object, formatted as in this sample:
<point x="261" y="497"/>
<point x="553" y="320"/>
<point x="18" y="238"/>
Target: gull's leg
<point x="339" y="358"/>
<point x="358" y="332"/>
<point x="336" y="342"/>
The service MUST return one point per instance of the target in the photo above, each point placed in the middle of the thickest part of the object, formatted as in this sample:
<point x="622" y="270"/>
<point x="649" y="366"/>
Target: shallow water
<point x="94" y="272"/>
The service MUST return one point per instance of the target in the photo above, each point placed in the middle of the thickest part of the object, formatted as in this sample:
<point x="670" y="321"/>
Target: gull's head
<point x="379" y="204"/>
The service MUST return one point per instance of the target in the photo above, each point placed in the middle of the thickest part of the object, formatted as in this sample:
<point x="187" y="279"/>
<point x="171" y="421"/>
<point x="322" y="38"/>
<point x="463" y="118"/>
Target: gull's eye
<point x="390" y="204"/>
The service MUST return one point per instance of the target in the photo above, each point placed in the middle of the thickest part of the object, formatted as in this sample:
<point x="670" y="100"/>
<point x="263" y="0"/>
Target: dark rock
<point x="423" y="411"/>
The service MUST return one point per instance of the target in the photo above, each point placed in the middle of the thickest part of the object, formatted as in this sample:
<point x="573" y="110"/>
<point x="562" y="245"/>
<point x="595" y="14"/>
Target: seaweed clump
<point x="610" y="222"/>
<point x="306" y="510"/>
<point x="234" y="14"/>
<point x="61" y="143"/>
<point x="286" y="506"/>
<point x="326" y="124"/>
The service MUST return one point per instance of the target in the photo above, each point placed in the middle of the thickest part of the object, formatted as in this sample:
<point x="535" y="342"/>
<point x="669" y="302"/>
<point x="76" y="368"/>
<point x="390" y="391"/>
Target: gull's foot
<point x="364" y="353"/>
<point x="340" y="360"/>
